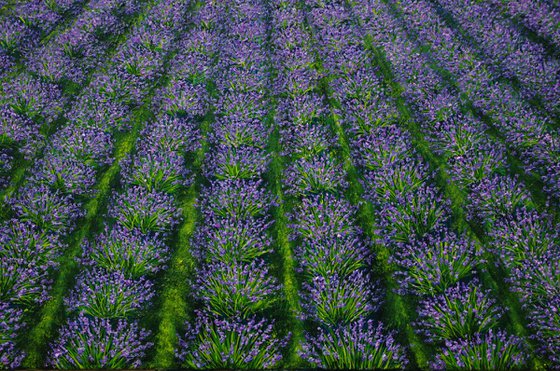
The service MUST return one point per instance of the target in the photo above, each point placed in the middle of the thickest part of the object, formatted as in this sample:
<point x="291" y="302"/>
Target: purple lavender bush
<point x="335" y="300"/>
<point x="230" y="240"/>
<point x="128" y="251"/>
<point x="94" y="343"/>
<point x="237" y="343"/>
<point x="10" y="325"/>
<point x="460" y="312"/>
<point x="147" y="211"/>
<point x="360" y="345"/>
<point x="236" y="290"/>
<point x="490" y="351"/>
<point x="104" y="294"/>
<point x="432" y="265"/>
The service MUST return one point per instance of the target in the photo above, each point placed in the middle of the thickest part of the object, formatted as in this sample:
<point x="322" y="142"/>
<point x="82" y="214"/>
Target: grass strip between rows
<point x="174" y="309"/>
<point x="285" y="250"/>
<point x="283" y="247"/>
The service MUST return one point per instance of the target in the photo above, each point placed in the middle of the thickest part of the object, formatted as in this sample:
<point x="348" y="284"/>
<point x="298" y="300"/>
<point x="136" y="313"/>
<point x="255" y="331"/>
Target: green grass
<point x="175" y="309"/>
<point x="283" y="247"/>
<point x="283" y="259"/>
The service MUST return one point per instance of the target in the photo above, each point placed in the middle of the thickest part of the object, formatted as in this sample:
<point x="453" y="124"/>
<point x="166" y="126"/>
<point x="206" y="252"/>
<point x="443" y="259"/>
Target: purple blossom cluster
<point x="412" y="217"/>
<point x="116" y="284"/>
<point x="227" y="343"/>
<point x="462" y="311"/>
<point x="24" y="24"/>
<point x="234" y="285"/>
<point x="10" y="324"/>
<point x="93" y="343"/>
<point x="519" y="234"/>
<point x="71" y="54"/>
<point x="333" y="256"/>
<point x="368" y="347"/>
<point x="528" y="133"/>
<point x="491" y="351"/>
<point x="538" y="16"/>
<point x="506" y="48"/>
<point x="103" y="294"/>
<point x="27" y="104"/>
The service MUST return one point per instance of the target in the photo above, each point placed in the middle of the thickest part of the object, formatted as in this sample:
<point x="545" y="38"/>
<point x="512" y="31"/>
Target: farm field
<point x="226" y="184"/>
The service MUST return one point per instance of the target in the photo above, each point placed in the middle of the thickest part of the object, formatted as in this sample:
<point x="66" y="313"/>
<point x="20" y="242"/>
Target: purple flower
<point x="129" y="251"/>
<point x="94" y="343"/>
<point x="545" y="321"/>
<point x="230" y="344"/>
<point x="238" y="199"/>
<point x="105" y="294"/>
<point x="236" y="290"/>
<point x="230" y="240"/>
<point x="147" y="211"/>
<point x="26" y="242"/>
<point x="459" y="313"/>
<point x="49" y="210"/>
<point x="360" y="345"/>
<point x="432" y="265"/>
<point x="157" y="171"/>
<point x="10" y="325"/>
<point x="236" y="163"/>
<point x="316" y="175"/>
<point x="334" y="299"/>
<point x="489" y="351"/>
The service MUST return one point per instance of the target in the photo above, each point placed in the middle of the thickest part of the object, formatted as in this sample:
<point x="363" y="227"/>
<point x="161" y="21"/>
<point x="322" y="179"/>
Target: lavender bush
<point x="362" y="345"/>
<point x="99" y="343"/>
<point x="223" y="344"/>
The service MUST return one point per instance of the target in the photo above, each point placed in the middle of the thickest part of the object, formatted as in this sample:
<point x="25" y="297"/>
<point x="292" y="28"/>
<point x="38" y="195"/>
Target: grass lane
<point x="174" y="308"/>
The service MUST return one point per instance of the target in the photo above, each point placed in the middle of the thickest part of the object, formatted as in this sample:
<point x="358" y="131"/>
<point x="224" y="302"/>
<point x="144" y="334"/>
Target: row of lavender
<point x="538" y="16"/>
<point x="235" y="291"/>
<point x="48" y="207"/>
<point x="523" y="240"/>
<point x="527" y="132"/>
<point x="116" y="283"/>
<point x="24" y="24"/>
<point x="32" y="101"/>
<point x="462" y="143"/>
<point x="339" y="297"/>
<point x="434" y="264"/>
<point x="506" y="48"/>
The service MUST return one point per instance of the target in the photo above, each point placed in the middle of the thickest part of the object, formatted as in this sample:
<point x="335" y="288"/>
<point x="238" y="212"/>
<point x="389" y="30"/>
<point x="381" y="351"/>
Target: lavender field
<point x="225" y="184"/>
